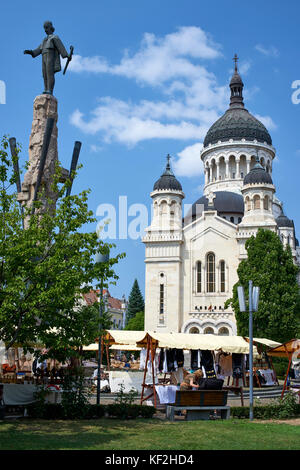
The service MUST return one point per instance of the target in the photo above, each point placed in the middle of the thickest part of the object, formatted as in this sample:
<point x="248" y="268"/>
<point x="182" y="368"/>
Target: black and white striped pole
<point x="253" y="307"/>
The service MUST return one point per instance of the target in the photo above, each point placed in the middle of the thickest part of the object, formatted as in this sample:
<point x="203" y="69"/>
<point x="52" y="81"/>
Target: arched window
<point x="161" y="304"/>
<point x="199" y="286"/>
<point x="211" y="273"/>
<point x="266" y="203"/>
<point x="222" y="276"/>
<point x="223" y="331"/>
<point x="248" y="204"/>
<point x="194" y="330"/>
<point x="232" y="219"/>
<point x="256" y="201"/>
<point x="208" y="331"/>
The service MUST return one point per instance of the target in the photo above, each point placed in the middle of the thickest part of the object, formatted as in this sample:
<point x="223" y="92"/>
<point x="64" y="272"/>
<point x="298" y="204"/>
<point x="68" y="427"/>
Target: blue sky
<point x="147" y="79"/>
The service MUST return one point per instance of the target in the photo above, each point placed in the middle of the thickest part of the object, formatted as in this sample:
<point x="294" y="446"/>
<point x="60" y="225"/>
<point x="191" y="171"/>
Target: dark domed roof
<point x="258" y="175"/>
<point x="237" y="123"/>
<point x="167" y="179"/>
<point x="284" y="221"/>
<point x="224" y="202"/>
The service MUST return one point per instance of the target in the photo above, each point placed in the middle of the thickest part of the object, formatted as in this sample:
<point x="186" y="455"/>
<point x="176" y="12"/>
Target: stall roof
<point x="286" y="349"/>
<point x="91" y="347"/>
<point x="124" y="337"/>
<point x="230" y="344"/>
<point x="267" y="342"/>
<point x="124" y="347"/>
<point x="119" y="347"/>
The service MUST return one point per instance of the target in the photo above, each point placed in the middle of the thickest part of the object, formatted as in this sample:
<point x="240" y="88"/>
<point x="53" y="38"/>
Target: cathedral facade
<point x="192" y="259"/>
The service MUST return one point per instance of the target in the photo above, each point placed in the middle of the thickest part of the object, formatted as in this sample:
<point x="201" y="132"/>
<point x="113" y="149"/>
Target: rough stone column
<point x="44" y="106"/>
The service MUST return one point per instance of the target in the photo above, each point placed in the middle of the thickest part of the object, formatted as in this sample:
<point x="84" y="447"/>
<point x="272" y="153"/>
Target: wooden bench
<point x="199" y="404"/>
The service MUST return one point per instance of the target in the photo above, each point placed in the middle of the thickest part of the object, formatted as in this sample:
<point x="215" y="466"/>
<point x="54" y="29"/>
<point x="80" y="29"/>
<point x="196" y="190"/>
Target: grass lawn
<point x="109" y="434"/>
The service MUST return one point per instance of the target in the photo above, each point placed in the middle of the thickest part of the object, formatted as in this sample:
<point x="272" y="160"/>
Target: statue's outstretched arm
<point x="37" y="51"/>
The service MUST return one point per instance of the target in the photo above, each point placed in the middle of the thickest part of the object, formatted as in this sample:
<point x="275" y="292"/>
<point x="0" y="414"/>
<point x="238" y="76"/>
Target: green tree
<point x="136" y="323"/>
<point x="135" y="302"/>
<point x="270" y="266"/>
<point x="45" y="269"/>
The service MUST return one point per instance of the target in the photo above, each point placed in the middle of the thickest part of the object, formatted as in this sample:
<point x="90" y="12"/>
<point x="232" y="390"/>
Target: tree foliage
<point x="135" y="302"/>
<point x="45" y="269"/>
<point x="136" y="323"/>
<point x="270" y="266"/>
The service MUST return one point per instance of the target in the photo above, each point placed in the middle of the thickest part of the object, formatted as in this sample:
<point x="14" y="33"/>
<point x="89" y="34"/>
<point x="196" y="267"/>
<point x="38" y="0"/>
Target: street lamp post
<point x="253" y="307"/>
<point x="100" y="258"/>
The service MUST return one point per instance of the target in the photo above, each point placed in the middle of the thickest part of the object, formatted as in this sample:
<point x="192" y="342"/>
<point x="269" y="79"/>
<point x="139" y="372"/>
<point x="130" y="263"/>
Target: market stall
<point x="291" y="350"/>
<point x="263" y="370"/>
<point x="200" y="344"/>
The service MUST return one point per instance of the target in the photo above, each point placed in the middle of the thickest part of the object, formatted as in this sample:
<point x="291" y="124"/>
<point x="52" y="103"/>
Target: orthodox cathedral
<point x="192" y="259"/>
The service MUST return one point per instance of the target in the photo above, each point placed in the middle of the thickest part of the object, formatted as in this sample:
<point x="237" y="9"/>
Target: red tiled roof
<point x="92" y="297"/>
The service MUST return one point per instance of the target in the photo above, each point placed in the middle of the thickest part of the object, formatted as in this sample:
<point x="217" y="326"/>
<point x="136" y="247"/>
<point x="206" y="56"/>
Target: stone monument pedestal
<point x="44" y="106"/>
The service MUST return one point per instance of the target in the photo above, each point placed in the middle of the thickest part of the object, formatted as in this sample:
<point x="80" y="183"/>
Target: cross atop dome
<point x="236" y="86"/>
<point x="235" y="62"/>
<point x="168" y="167"/>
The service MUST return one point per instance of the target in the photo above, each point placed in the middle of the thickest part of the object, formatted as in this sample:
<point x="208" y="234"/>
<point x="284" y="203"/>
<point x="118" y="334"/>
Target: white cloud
<point x="121" y="122"/>
<point x="244" y="67"/>
<point x="95" y="148"/>
<point x="270" y="51"/>
<point x="159" y="59"/>
<point x="191" y="97"/>
<point x="189" y="163"/>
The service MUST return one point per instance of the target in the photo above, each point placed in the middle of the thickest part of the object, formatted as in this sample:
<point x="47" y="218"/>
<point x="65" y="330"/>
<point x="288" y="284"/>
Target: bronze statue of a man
<point x="51" y="49"/>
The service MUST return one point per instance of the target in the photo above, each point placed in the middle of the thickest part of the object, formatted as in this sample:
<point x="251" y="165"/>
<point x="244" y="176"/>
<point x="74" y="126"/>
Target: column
<point x="248" y="164"/>
<point x="238" y="174"/>
<point x="206" y="175"/>
<point x="227" y="169"/>
<point x="218" y="170"/>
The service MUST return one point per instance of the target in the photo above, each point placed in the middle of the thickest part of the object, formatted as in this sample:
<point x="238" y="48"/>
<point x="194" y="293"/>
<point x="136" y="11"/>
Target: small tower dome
<point x="258" y="175"/>
<point x="167" y="179"/>
<point x="284" y="221"/>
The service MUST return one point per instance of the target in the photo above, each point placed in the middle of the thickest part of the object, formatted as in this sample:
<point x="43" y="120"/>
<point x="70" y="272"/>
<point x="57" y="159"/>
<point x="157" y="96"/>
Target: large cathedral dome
<point x="237" y="123"/>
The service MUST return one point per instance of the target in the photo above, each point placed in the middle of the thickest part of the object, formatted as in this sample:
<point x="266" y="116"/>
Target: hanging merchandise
<point x="165" y="362"/>
<point x="207" y="362"/>
<point x="155" y="363"/>
<point x="179" y="357"/>
<point x="161" y="360"/>
<point x="296" y="368"/>
<point x="225" y="364"/>
<point x="143" y="355"/>
<point x="171" y="360"/>
<point x="237" y="365"/>
<point x="267" y="376"/>
<point x="187" y="360"/>
<point x="195" y="359"/>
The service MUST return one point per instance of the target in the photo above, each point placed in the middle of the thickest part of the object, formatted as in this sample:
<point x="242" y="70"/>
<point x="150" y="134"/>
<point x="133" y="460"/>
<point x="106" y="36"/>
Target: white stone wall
<point x="209" y="234"/>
